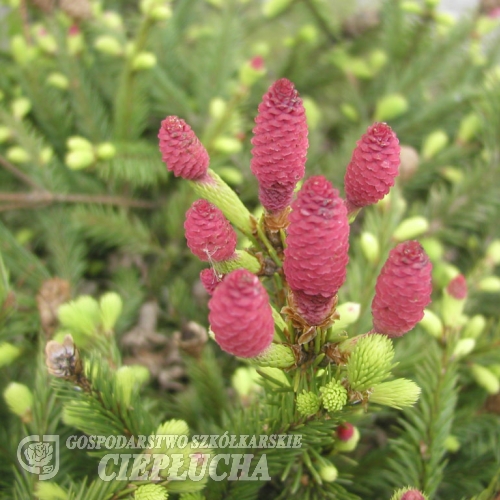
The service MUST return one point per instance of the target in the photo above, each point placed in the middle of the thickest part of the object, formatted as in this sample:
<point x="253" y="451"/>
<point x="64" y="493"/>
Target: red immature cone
<point x="181" y="150"/>
<point x="210" y="280"/>
<point x="373" y="167"/>
<point x="457" y="287"/>
<point x="209" y="234"/>
<point x="413" y="495"/>
<point x="403" y="290"/>
<point x="345" y="431"/>
<point x="280" y="145"/>
<point x="240" y="315"/>
<point x="317" y="247"/>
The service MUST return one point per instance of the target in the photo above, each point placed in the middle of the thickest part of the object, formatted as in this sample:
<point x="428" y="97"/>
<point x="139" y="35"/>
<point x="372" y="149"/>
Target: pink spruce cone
<point x="209" y="234"/>
<point x="240" y="315"/>
<point x="317" y="248"/>
<point x="210" y="280"/>
<point x="373" y="167"/>
<point x="403" y="290"/>
<point x="457" y="287"/>
<point x="413" y="495"/>
<point x="280" y="145"/>
<point x="181" y="150"/>
<point x="345" y="431"/>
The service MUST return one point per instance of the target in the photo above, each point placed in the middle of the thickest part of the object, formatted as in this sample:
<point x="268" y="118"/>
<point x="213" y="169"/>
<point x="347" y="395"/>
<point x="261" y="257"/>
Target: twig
<point x="7" y="165"/>
<point x="29" y="200"/>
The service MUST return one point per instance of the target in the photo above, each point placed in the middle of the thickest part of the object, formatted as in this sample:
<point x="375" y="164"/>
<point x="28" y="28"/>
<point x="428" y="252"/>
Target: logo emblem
<point x="39" y="456"/>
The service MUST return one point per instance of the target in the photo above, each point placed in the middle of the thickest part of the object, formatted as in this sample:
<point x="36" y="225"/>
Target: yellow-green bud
<point x="432" y="324"/>
<point x="217" y="192"/>
<point x="47" y="490"/>
<point x="107" y="44"/>
<point x="313" y="112"/>
<point x="492" y="252"/>
<point x="227" y="145"/>
<point x="463" y="347"/>
<point x="377" y="60"/>
<point x="469" y="127"/>
<point x="8" y="353"/>
<point x="452" y="444"/>
<point x="411" y="228"/>
<point x="474" y="327"/>
<point x="5" y="134"/>
<point x="277" y="356"/>
<point x="445" y="19"/>
<point x="370" y="361"/>
<point x="20" y="107"/>
<point x="16" y="154"/>
<point x="57" y="80"/>
<point x="434" y="143"/>
<point x="151" y="492"/>
<point x="358" y="67"/>
<point x="348" y="314"/>
<point x="431" y="3"/>
<point x="350" y="112"/>
<point x="370" y="246"/>
<point x="495" y="369"/>
<point x="396" y="393"/>
<point x="105" y="151"/>
<point x="82" y="315"/>
<point x="19" y="399"/>
<point x="126" y="383"/>
<point x="452" y="174"/>
<point x="454" y="301"/>
<point x="485" y="25"/>
<point x="144" y="61"/>
<point x="47" y="42"/>
<point x="308" y="403"/>
<point x="78" y="160"/>
<point x="173" y="427"/>
<point x="231" y="175"/>
<point x="75" y="43"/>
<point x="433" y="248"/>
<point x="244" y="381"/>
<point x="333" y="396"/>
<point x="391" y="106"/>
<point x="21" y="51"/>
<point x="77" y="143"/>
<point x="491" y="284"/>
<point x="46" y="154"/>
<point x="485" y="378"/>
<point x="328" y="473"/>
<point x="240" y="259"/>
<point x="412" y="7"/>
<point x="217" y="108"/>
<point x="273" y="8"/>
<point x="111" y="307"/>
<point x="249" y="73"/>
<point x="112" y="20"/>
<point x="160" y="13"/>
<point x="308" y="33"/>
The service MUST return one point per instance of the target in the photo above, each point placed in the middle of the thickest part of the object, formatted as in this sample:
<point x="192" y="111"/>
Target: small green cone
<point x="109" y="45"/>
<point x="370" y="362"/>
<point x="396" y="393"/>
<point x="333" y="396"/>
<point x="77" y="143"/>
<point x="308" y="403"/>
<point x="276" y="356"/>
<point x="328" y="473"/>
<point x="370" y="246"/>
<point x="78" y="160"/>
<point x="144" y="61"/>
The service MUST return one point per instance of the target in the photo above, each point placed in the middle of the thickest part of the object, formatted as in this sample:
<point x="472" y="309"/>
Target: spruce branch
<point x="10" y="167"/>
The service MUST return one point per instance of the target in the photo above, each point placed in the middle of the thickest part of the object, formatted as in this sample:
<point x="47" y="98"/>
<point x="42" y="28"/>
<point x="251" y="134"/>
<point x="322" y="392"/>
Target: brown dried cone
<point x="53" y="293"/>
<point x="192" y="338"/>
<point x="158" y="353"/>
<point x="76" y="9"/>
<point x="45" y="5"/>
